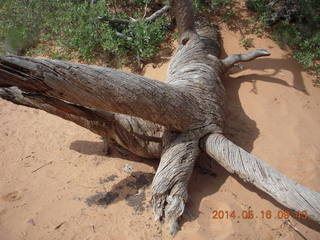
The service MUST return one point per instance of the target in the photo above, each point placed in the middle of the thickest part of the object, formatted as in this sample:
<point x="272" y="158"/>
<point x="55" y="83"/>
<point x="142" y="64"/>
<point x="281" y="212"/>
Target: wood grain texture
<point x="102" y="88"/>
<point x="154" y="119"/>
<point x="251" y="169"/>
<point x="141" y="137"/>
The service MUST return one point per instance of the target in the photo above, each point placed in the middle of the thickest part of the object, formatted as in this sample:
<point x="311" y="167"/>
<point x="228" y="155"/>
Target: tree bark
<point x="102" y="88"/>
<point x="141" y="137"/>
<point x="154" y="119"/>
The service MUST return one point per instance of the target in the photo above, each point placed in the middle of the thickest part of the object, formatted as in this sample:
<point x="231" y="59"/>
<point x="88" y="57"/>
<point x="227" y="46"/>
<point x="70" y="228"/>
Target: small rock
<point x="31" y="221"/>
<point x="127" y="168"/>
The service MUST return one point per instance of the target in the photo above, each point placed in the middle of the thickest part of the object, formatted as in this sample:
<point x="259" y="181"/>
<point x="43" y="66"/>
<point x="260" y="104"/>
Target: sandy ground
<point x="57" y="183"/>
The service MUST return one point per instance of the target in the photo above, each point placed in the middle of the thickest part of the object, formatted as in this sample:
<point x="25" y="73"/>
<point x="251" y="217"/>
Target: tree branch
<point x="158" y="14"/>
<point x="102" y="88"/>
<point x="114" y="20"/>
<point x="140" y="137"/>
<point x="183" y="12"/>
<point x="119" y="34"/>
<point x="263" y="176"/>
<point x="245" y="57"/>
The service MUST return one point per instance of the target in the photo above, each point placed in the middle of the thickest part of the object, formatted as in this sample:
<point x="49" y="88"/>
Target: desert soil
<point x="56" y="181"/>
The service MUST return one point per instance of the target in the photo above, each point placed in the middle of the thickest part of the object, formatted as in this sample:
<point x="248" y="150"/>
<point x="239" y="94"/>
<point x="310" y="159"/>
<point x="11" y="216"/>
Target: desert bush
<point x="295" y="23"/>
<point x="74" y="27"/>
<point x="223" y="10"/>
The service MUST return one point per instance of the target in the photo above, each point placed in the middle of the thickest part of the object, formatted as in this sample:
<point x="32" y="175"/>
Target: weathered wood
<point x="245" y="57"/>
<point x="263" y="176"/>
<point x="169" y="186"/>
<point x="158" y="14"/>
<point x="155" y="119"/>
<point x="136" y="135"/>
<point x="183" y="12"/>
<point x="103" y="88"/>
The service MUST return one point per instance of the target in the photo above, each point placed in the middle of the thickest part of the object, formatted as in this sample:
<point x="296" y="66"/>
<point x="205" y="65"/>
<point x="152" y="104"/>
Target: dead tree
<point x="174" y="121"/>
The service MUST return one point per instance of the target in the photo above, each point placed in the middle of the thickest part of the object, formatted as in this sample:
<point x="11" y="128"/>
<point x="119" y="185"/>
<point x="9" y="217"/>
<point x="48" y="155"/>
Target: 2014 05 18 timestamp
<point x="251" y="214"/>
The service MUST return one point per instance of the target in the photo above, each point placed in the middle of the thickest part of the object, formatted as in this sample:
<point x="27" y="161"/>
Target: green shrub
<point x="223" y="9"/>
<point x="246" y="42"/>
<point x="20" y="23"/>
<point x="295" y="23"/>
<point x="74" y="27"/>
<point x="146" y="38"/>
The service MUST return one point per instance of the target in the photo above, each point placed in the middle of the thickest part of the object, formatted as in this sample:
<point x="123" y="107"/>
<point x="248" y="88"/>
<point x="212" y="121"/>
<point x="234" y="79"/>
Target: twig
<point x="133" y="19"/>
<point x="152" y="18"/>
<point x="57" y="227"/>
<point x="145" y="9"/>
<point x="139" y="60"/>
<point x="288" y="222"/>
<point x="244" y="57"/>
<point x="46" y="164"/>
<point x="114" y="20"/>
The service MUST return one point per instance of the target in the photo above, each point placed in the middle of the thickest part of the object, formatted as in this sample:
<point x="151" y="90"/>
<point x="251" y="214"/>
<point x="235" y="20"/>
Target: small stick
<point x="48" y="163"/>
<point x="57" y="227"/>
<point x="288" y="222"/>
<point x="145" y="9"/>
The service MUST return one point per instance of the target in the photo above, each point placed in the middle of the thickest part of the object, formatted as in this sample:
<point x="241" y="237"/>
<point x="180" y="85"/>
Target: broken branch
<point x="244" y="57"/>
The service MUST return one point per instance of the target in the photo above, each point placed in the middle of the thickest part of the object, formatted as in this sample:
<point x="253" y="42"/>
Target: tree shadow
<point x="209" y="183"/>
<point x="131" y="189"/>
<point x="88" y="148"/>
<point x="239" y="128"/>
<point x="278" y="65"/>
<point x="113" y="150"/>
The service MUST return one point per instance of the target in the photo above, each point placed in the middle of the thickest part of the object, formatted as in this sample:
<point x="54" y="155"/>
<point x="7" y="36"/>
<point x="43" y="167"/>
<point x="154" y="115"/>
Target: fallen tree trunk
<point x="154" y="119"/>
